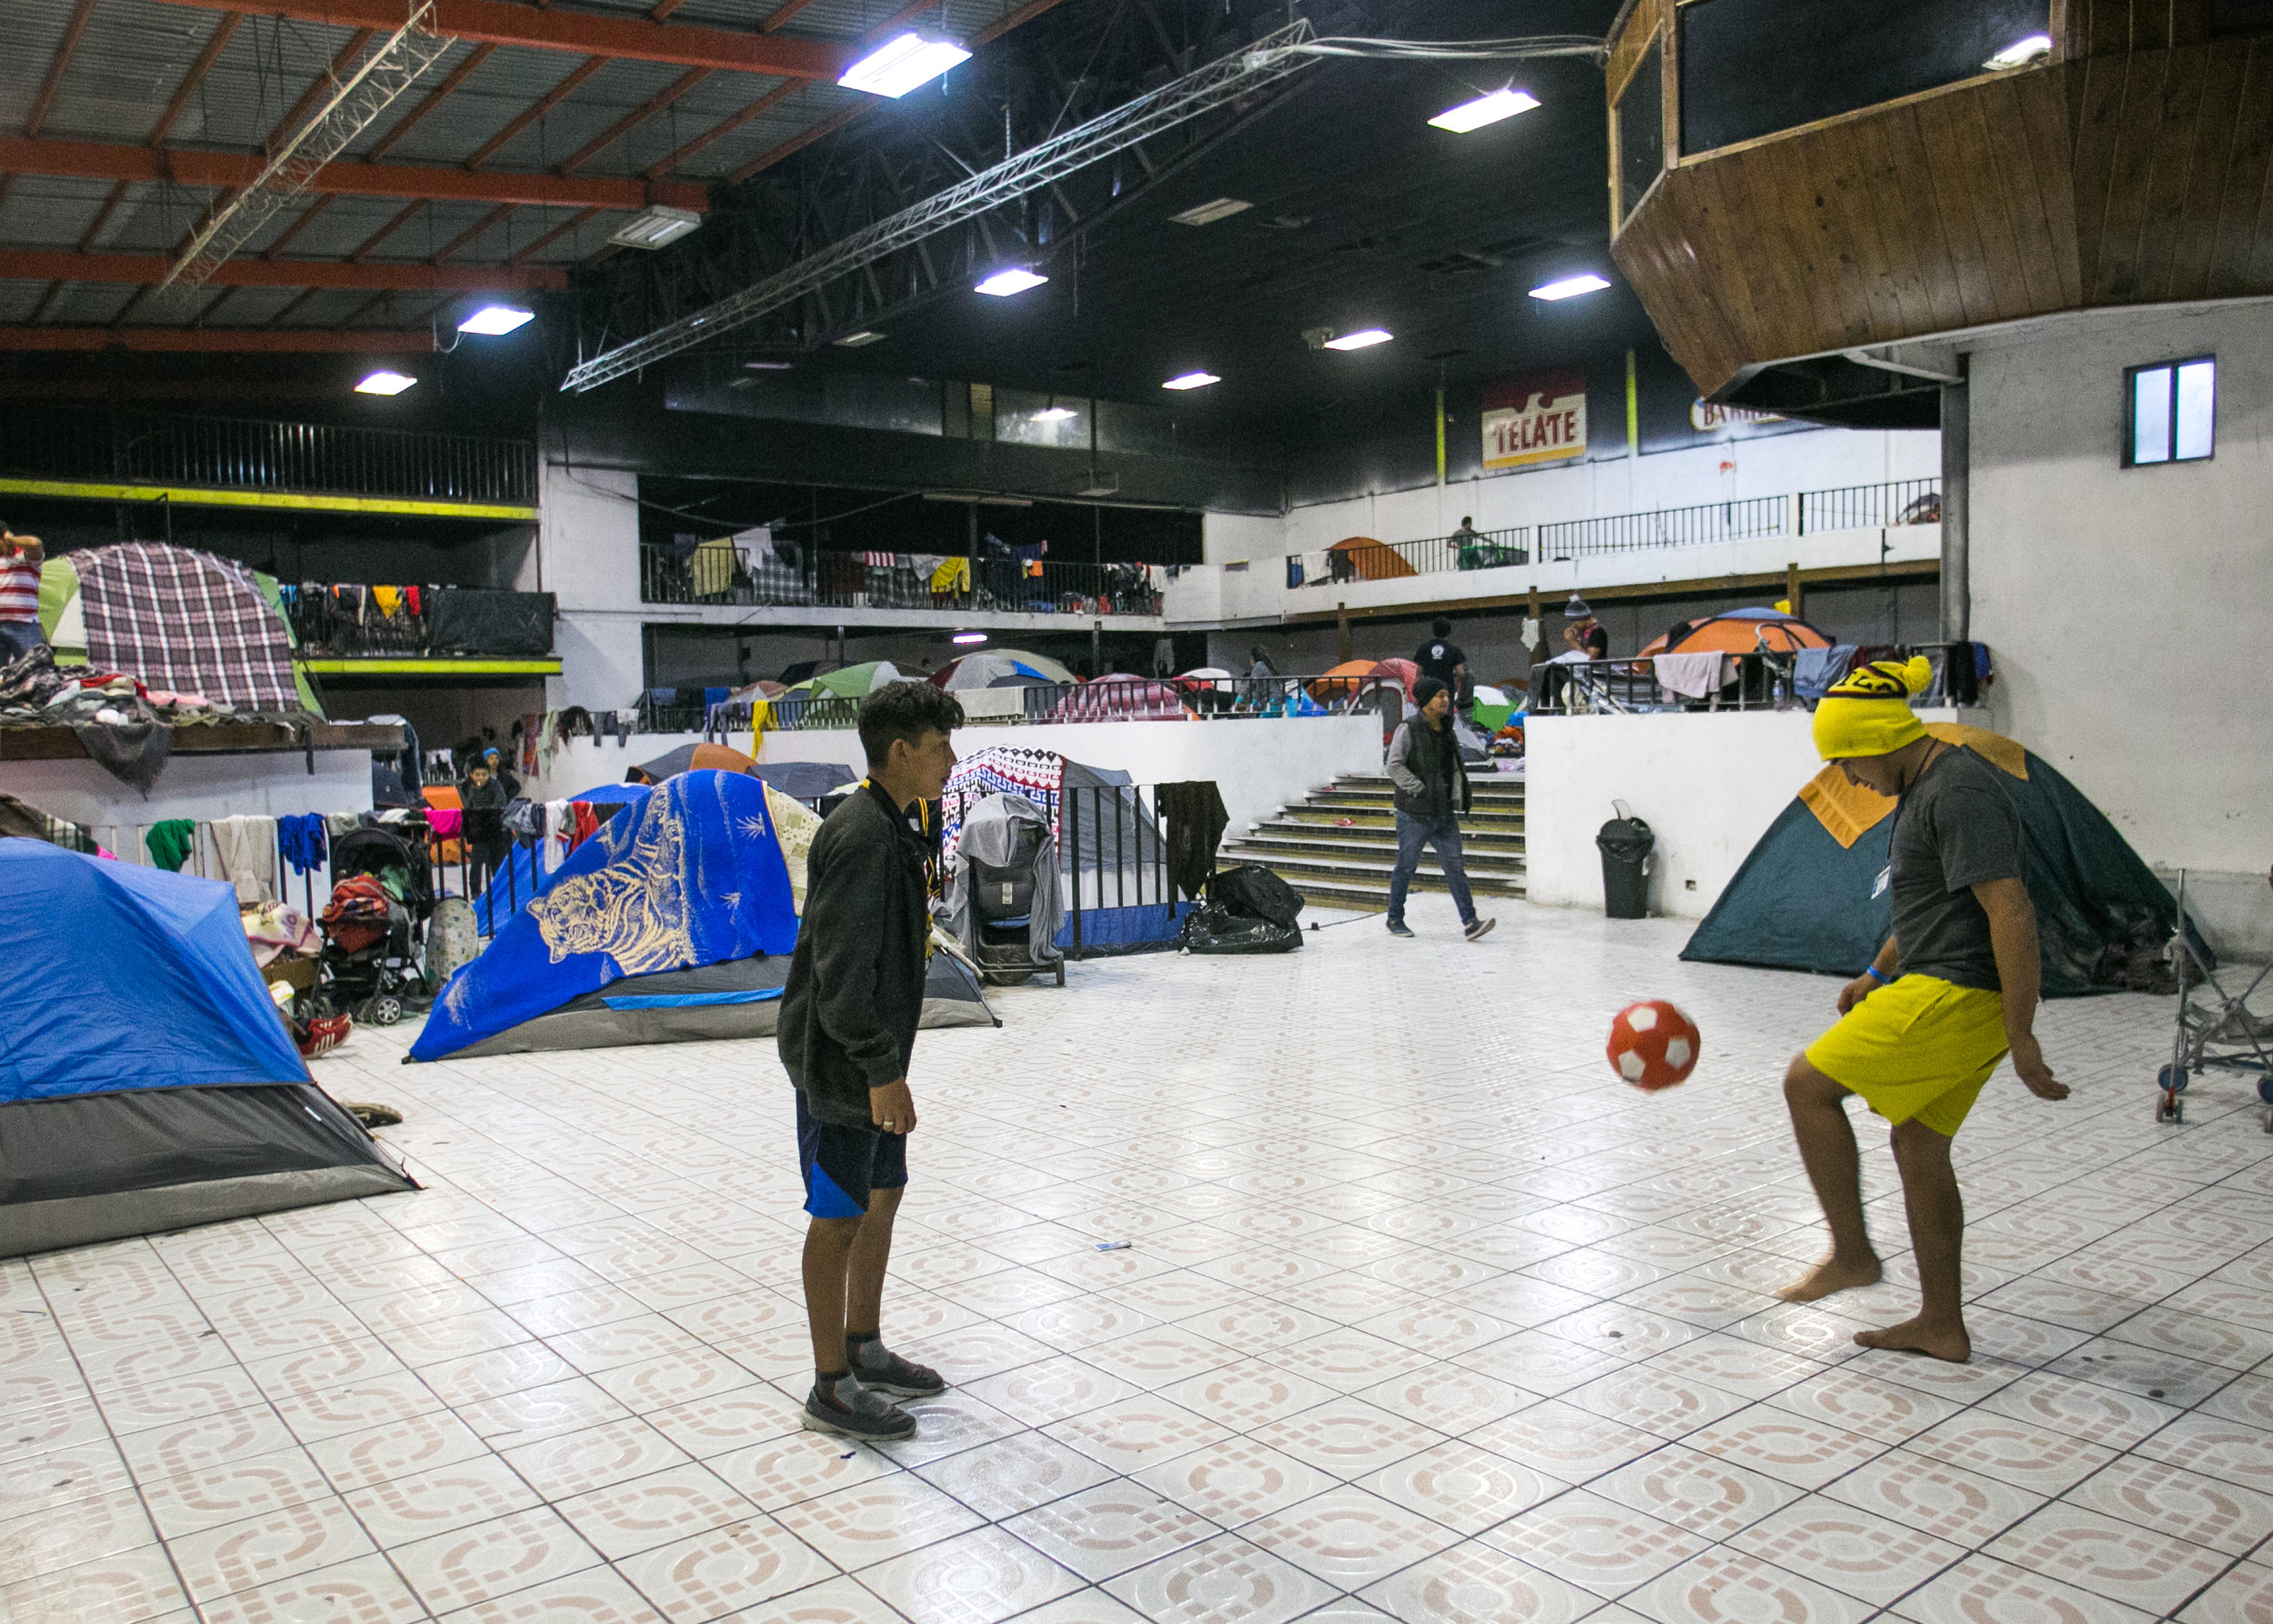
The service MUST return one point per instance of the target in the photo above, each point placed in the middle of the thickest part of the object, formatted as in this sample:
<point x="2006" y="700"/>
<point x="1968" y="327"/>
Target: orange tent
<point x="1373" y="560"/>
<point x="1341" y="682"/>
<point x="1740" y="631"/>
<point x="719" y="758"/>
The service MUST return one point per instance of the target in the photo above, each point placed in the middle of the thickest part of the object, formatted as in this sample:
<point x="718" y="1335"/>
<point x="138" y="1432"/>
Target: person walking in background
<point x="483" y="799"/>
<point x="500" y="773"/>
<point x="1431" y="790"/>
<point x="846" y="1037"/>
<point x="20" y="560"/>
<point x="1953" y="989"/>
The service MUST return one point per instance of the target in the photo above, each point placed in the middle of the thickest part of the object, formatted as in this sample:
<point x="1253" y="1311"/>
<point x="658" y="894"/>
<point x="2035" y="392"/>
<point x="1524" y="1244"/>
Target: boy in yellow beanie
<point x="1952" y="991"/>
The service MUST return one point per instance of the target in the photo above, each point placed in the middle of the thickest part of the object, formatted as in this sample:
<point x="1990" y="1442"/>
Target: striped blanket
<point x="999" y="769"/>
<point x="186" y="621"/>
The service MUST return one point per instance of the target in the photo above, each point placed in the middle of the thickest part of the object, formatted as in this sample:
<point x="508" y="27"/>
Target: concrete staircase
<point x="1338" y="846"/>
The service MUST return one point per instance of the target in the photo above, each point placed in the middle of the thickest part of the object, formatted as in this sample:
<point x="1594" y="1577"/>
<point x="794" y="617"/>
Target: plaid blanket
<point x="999" y="769"/>
<point x="186" y="621"/>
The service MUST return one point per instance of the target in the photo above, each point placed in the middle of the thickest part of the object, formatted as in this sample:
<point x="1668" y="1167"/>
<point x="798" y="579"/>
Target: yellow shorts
<point x="1921" y="1048"/>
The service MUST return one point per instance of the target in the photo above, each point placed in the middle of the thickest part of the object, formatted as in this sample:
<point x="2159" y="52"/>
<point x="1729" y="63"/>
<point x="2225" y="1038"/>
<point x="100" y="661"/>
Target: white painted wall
<point x="1709" y="783"/>
<point x="1818" y="459"/>
<point x="2130" y="610"/>
<point x="588" y="539"/>
<point x="273" y="784"/>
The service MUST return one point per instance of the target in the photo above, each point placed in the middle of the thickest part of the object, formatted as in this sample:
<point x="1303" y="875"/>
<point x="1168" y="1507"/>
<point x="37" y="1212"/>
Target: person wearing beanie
<point x="1951" y="992"/>
<point x="1430" y="792"/>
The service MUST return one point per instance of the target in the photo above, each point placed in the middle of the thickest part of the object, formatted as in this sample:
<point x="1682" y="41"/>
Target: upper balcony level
<point x="1892" y="528"/>
<point x="92" y="455"/>
<point x="1001" y="587"/>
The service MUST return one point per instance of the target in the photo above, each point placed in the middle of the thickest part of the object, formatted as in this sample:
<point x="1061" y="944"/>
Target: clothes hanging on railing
<point x="585" y="823"/>
<point x="1692" y="676"/>
<point x="170" y="843"/>
<point x="302" y="840"/>
<point x="1194" y="812"/>
<point x="242" y="850"/>
<point x="560" y="826"/>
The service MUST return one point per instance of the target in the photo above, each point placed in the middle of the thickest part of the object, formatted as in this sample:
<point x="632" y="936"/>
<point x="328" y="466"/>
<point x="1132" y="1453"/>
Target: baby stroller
<point x="382" y="896"/>
<point x="2215" y="1032"/>
<point x="1003" y="907"/>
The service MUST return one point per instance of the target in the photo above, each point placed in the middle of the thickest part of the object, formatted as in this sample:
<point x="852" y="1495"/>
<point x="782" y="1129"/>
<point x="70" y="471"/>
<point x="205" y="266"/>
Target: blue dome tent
<point x="674" y="923"/>
<point x="146" y="1081"/>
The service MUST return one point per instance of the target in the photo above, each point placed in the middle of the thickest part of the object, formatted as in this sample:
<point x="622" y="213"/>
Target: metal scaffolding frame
<point x="1229" y="78"/>
<point x="353" y="104"/>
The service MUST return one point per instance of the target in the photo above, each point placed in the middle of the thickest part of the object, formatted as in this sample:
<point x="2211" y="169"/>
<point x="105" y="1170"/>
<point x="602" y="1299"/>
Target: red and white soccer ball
<point x="1653" y="1045"/>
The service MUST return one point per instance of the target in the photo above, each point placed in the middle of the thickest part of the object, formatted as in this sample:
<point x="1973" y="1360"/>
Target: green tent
<point x="1803" y="899"/>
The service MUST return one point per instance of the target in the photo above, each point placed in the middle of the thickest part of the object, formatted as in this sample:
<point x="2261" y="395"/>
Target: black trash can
<point x="1625" y="842"/>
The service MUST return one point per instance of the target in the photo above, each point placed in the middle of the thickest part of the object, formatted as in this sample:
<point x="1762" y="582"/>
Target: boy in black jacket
<point x="847" y="1031"/>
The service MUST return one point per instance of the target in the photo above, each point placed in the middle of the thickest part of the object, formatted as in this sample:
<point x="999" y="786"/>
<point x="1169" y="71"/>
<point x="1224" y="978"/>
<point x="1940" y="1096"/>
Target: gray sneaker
<point x="1480" y="929"/>
<point x="1399" y="928"/>
<point x="851" y="1410"/>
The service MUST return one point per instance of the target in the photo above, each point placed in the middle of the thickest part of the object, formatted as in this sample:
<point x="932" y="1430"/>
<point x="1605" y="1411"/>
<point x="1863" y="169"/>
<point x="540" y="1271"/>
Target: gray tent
<point x="1006" y="846"/>
<point x="740" y="997"/>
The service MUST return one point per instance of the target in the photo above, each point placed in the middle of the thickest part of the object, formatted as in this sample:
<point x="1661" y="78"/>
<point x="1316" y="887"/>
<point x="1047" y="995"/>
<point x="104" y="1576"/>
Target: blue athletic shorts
<point x="842" y="1165"/>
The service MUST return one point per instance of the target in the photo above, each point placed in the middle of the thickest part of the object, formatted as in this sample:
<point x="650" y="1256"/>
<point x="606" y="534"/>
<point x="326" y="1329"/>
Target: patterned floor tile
<point x="980" y="1577"/>
<point x="1722" y="1586"/>
<point x="1594" y="1543"/>
<point x="2119" y="1560"/>
<point x="1224" y="1580"/>
<point x="1872" y="1559"/>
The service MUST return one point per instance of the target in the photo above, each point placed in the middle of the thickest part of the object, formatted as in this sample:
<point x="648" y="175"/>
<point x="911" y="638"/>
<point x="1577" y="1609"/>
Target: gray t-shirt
<point x="1954" y="829"/>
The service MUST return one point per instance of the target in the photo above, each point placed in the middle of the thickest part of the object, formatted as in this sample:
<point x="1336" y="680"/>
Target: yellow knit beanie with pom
<point x="1867" y="711"/>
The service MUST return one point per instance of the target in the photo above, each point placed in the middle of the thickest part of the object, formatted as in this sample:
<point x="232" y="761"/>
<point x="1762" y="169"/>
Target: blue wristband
<point x="1871" y="970"/>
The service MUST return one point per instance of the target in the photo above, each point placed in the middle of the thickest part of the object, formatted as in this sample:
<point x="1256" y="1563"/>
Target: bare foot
<point x="1917" y="1336"/>
<point x="1833" y="1274"/>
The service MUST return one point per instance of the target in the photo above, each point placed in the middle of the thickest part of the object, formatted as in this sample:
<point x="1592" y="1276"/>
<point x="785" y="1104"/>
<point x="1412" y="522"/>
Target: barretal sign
<point x="1537" y="419"/>
<point x="1707" y="417"/>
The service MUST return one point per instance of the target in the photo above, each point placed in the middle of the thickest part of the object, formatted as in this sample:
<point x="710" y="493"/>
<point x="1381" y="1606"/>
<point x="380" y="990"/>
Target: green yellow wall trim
<point x="194" y="495"/>
<point x="547" y="666"/>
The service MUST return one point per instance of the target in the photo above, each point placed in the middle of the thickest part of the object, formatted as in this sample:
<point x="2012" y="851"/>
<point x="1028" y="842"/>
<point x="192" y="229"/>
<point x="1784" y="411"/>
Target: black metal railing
<point x="1665" y="527"/>
<point x="1362" y="559"/>
<point x="720" y="572"/>
<point x="1126" y="699"/>
<point x="1767" y="680"/>
<point x="247" y="454"/>
<point x="355" y="621"/>
<point x="1871" y="506"/>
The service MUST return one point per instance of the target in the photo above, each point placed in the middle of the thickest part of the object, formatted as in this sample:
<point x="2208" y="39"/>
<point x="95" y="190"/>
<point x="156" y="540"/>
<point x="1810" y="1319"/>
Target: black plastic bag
<point x="1213" y="927"/>
<point x="1255" y="893"/>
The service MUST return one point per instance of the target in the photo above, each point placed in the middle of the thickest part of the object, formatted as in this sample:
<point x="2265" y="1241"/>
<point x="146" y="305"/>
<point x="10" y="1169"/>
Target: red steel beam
<point x="427" y="104"/>
<point x="536" y="109"/>
<point x="561" y="230"/>
<point x="220" y="340"/>
<point x="635" y="118"/>
<point x="65" y="50"/>
<point x="772" y="98"/>
<point x="42" y="264"/>
<point x="88" y="160"/>
<point x="502" y="23"/>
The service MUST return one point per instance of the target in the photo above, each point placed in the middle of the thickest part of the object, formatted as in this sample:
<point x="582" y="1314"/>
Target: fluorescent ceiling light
<point x="2022" y="52"/>
<point x="969" y="637"/>
<point x="1361" y="340"/>
<point x="1017" y="279"/>
<point x="1192" y="380"/>
<point x="895" y="69"/>
<point x="1055" y="414"/>
<point x="766" y="365"/>
<point x="653" y="227"/>
<point x="493" y="320"/>
<point x="384" y="383"/>
<point x="1570" y="288"/>
<point x="854" y="340"/>
<point x="1484" y="110"/>
<point x="1206" y="214"/>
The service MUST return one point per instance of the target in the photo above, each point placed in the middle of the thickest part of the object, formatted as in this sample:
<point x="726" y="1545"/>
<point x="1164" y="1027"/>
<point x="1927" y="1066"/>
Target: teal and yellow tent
<point x="1804" y="898"/>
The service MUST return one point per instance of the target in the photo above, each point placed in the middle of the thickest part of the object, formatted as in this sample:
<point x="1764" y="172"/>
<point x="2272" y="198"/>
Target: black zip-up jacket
<point x="856" y="989"/>
<point x="1425" y="776"/>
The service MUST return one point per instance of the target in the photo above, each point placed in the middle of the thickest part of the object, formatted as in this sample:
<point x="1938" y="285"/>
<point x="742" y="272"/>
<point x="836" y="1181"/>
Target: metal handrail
<point x="1766" y="679"/>
<point x="1871" y="506"/>
<point x="718" y="572"/>
<point x="1431" y="554"/>
<point x="252" y="453"/>
<point x="1665" y="527"/>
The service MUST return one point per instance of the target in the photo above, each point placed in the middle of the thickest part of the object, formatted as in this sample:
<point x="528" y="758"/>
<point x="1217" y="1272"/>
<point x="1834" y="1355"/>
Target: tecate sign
<point x="1537" y="419"/>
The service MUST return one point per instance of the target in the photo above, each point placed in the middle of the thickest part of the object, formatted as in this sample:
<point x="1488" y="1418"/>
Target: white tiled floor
<point x="1426" y="1316"/>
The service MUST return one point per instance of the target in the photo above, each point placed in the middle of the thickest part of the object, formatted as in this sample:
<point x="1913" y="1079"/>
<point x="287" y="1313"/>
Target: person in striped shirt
<point x="20" y="558"/>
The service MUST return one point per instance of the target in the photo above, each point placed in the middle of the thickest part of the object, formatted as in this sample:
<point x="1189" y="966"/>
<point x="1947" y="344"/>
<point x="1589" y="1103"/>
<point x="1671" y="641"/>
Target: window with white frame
<point x="2170" y="412"/>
